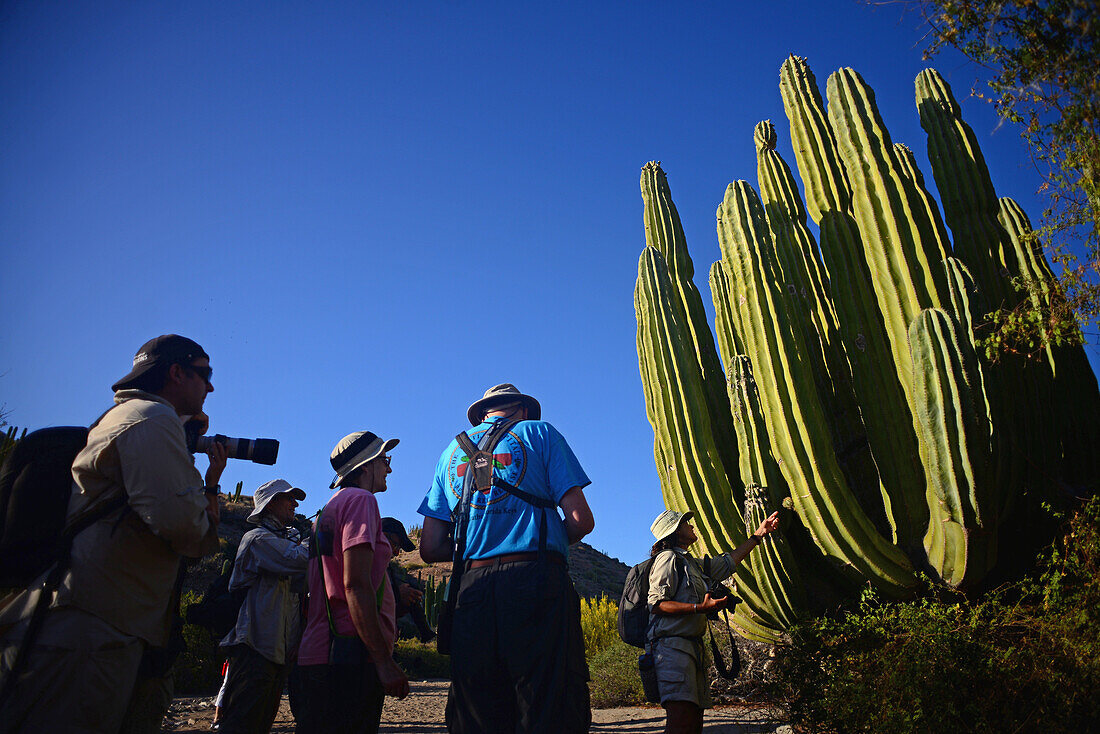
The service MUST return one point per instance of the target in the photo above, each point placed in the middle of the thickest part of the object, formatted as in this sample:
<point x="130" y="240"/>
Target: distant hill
<point x="594" y="574"/>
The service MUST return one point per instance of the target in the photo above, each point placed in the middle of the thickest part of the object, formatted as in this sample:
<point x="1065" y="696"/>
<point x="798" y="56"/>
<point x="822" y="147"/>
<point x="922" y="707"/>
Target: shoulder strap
<point x="478" y="478"/>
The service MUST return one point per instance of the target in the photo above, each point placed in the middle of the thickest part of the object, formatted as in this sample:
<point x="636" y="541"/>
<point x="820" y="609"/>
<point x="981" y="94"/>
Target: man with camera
<point x="115" y="600"/>
<point x="517" y="651"/>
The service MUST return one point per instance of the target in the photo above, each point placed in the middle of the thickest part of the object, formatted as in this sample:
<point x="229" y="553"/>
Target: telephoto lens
<point x="256" y="450"/>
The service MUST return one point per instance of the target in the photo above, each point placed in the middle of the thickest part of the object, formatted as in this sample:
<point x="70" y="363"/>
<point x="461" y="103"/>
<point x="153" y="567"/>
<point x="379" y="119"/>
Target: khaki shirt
<point x="669" y="582"/>
<point x="124" y="566"/>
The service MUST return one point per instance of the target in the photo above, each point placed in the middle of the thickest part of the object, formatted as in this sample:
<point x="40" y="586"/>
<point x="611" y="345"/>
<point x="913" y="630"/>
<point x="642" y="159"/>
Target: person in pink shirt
<point x="345" y="661"/>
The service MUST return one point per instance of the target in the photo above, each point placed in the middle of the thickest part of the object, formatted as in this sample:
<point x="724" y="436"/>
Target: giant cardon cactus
<point x="853" y="393"/>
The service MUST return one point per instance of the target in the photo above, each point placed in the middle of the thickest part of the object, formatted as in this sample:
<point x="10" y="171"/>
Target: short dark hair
<point x="153" y="379"/>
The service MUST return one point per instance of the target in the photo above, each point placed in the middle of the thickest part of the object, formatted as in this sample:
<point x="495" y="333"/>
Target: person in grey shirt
<point x="272" y="565"/>
<point x="679" y="601"/>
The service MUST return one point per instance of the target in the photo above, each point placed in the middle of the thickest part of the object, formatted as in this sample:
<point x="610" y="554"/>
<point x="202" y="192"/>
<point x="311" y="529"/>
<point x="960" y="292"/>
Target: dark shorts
<point x="517" y="656"/>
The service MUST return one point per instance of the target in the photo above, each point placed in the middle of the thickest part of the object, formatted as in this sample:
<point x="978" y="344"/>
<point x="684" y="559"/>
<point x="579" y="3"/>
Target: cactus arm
<point x="891" y="428"/>
<point x="793" y="414"/>
<point x="807" y="293"/>
<point x="956" y="447"/>
<point x="676" y="407"/>
<point x="665" y="233"/>
<point x="901" y="247"/>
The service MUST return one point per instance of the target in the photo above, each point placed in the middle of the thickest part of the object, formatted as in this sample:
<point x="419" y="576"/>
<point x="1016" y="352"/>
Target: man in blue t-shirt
<point x="517" y="652"/>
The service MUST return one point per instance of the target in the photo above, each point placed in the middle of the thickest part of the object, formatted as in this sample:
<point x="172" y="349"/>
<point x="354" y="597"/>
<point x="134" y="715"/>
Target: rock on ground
<point x="422" y="713"/>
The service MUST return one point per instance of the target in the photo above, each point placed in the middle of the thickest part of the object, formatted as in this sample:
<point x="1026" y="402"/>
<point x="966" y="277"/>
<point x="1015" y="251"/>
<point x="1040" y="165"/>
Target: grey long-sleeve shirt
<point x="273" y="567"/>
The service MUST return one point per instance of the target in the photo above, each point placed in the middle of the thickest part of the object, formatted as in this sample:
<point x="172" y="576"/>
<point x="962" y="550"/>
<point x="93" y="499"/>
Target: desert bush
<point x="421" y="659"/>
<point x="615" y="681"/>
<point x="599" y="622"/>
<point x="198" y="668"/>
<point x="1024" y="658"/>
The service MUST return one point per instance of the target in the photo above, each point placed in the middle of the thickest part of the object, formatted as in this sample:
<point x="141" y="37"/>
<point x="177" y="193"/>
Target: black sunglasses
<point x="205" y="372"/>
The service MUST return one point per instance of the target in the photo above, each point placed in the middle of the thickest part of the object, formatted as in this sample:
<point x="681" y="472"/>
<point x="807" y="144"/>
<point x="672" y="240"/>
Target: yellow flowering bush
<point x="599" y="622"/>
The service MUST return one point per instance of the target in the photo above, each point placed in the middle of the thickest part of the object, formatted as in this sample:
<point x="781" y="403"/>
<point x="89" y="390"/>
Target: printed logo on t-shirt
<point x="509" y="463"/>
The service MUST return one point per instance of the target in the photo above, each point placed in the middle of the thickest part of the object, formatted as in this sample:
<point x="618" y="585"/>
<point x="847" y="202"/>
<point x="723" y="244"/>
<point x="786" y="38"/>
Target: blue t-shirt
<point x="532" y="456"/>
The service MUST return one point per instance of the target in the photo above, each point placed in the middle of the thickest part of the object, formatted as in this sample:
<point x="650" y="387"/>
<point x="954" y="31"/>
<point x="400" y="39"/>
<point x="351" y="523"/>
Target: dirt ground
<point x="422" y="713"/>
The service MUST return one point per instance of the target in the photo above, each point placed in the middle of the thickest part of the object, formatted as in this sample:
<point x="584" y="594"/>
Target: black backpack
<point x="634" y="604"/>
<point x="36" y="482"/>
<point x="219" y="607"/>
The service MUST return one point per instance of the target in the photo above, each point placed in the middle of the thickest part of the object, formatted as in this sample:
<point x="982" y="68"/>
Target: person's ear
<point x="176" y="373"/>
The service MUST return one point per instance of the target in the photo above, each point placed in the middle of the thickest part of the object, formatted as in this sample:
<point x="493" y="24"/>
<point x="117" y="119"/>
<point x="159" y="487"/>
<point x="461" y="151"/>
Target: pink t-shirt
<point x="352" y="518"/>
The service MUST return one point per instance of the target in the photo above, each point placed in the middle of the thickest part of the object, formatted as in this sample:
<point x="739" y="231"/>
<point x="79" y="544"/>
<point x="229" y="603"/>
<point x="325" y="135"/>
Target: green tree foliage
<point x="1043" y="56"/>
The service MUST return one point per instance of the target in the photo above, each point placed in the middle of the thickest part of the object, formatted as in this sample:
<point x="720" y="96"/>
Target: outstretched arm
<point x="769" y="525"/>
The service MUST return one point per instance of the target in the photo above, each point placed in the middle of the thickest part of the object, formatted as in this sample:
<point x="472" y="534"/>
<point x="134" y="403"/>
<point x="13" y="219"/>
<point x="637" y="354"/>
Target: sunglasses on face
<point x="205" y="372"/>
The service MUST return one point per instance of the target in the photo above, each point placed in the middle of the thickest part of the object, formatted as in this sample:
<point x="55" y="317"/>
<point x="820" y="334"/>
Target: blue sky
<point x="369" y="212"/>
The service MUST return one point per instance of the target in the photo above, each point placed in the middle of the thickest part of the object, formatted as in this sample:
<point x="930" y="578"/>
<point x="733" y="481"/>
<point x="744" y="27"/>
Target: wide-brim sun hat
<point x="503" y="394"/>
<point x="269" y="491"/>
<point x="356" y="449"/>
<point x="668" y="522"/>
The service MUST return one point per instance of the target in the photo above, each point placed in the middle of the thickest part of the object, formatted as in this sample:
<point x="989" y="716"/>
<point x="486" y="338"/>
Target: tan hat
<point x="668" y="522"/>
<point x="503" y="394"/>
<point x="268" y="491"/>
<point x="356" y="449"/>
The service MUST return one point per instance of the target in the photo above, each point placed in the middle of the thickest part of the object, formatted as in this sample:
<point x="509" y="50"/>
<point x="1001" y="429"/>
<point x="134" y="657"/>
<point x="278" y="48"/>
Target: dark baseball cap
<point x="165" y="349"/>
<point x="393" y="525"/>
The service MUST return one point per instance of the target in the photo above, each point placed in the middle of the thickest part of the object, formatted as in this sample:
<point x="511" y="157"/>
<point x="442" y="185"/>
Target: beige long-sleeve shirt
<point x="124" y="566"/>
<point x="676" y="576"/>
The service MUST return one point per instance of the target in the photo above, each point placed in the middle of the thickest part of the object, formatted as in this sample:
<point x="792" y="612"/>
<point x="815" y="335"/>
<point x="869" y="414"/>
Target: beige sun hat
<point x="668" y="522"/>
<point x="267" y="492"/>
<point x="503" y="394"/>
<point x="356" y="449"/>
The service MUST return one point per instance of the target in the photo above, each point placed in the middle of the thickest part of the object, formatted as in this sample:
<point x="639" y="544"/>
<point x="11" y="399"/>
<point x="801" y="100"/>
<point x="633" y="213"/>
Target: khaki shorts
<point x="680" y="664"/>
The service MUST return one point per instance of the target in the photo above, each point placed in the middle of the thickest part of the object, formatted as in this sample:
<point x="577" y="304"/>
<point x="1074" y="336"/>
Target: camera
<point x="718" y="590"/>
<point x="257" y="450"/>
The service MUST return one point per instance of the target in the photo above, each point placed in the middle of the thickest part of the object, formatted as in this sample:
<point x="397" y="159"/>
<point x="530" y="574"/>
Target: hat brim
<point x="365" y="456"/>
<point x="125" y="382"/>
<point x="478" y="409"/>
<point x="295" y="492"/>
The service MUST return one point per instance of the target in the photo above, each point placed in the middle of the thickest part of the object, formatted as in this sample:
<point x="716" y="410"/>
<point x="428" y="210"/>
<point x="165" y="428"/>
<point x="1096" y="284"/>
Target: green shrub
<point x="421" y="659"/>
<point x="198" y="668"/>
<point x="1026" y="658"/>
<point x="615" y="680"/>
<point x="599" y="622"/>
